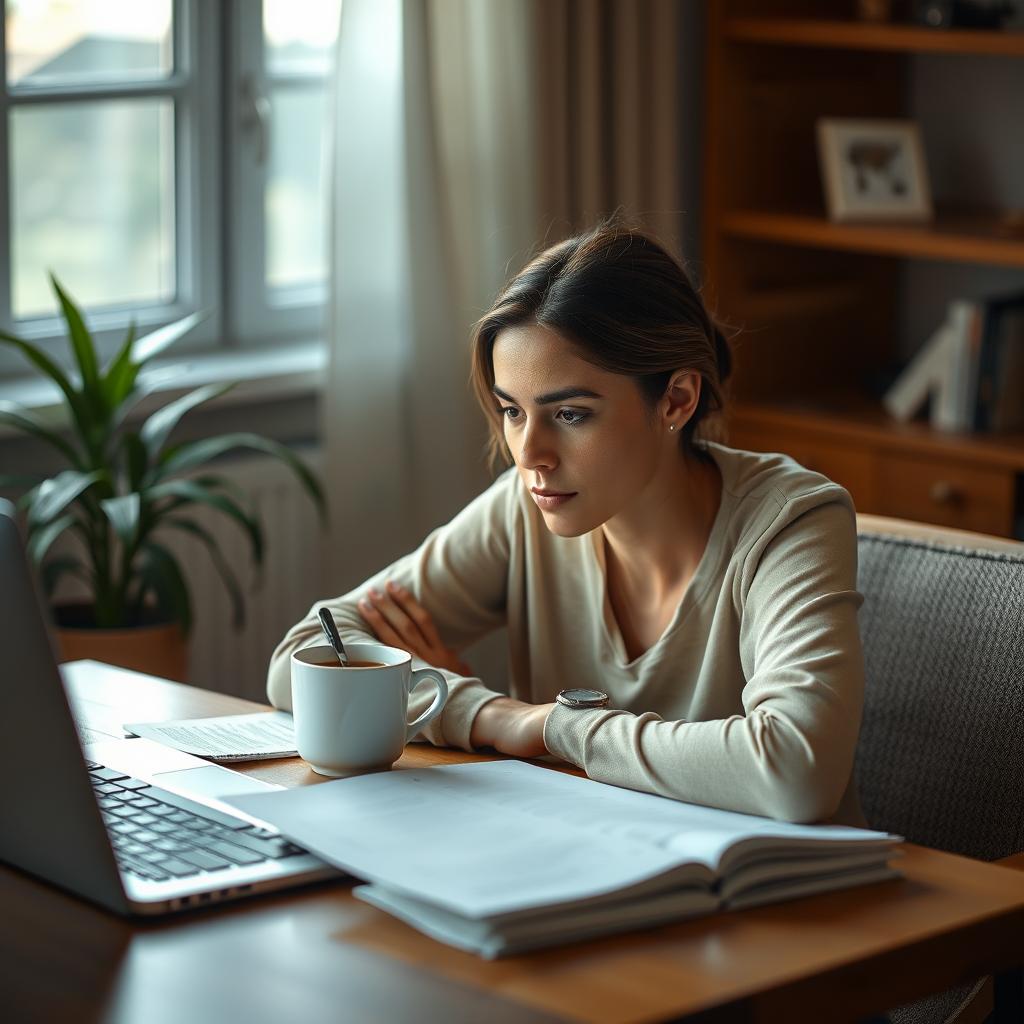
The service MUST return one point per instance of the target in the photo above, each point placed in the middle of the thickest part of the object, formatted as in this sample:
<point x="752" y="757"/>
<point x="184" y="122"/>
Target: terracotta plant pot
<point x="159" y="648"/>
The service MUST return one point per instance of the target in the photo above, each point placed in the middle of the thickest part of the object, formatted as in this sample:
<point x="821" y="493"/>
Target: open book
<point x="505" y="856"/>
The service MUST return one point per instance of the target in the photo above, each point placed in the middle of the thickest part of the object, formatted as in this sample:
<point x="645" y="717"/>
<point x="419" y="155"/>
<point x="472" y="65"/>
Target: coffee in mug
<point x="351" y="663"/>
<point x="352" y="718"/>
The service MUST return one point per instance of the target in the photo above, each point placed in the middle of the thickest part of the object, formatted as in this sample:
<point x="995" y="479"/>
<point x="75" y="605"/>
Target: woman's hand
<point x="511" y="726"/>
<point x="399" y="620"/>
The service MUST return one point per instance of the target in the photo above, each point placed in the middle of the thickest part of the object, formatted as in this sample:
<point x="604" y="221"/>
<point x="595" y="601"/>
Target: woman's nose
<point x="536" y="452"/>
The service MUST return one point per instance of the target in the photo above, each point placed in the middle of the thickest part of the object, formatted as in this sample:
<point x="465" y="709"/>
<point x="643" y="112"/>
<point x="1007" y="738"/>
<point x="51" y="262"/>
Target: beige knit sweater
<point x="751" y="699"/>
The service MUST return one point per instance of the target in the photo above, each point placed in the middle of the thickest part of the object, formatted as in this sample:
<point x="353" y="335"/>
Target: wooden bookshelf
<point x="852" y="35"/>
<point x="818" y="303"/>
<point x="961" y="238"/>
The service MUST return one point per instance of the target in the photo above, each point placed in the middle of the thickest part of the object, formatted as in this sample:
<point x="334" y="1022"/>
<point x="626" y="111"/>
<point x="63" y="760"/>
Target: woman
<point x="709" y="592"/>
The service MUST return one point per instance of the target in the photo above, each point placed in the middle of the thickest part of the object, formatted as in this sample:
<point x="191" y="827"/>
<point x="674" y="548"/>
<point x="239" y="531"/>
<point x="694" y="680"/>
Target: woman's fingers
<point x="405" y="600"/>
<point x="382" y="627"/>
<point x="400" y="621"/>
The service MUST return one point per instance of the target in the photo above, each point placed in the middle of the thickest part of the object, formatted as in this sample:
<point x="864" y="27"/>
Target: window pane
<point x="299" y="35"/>
<point x="92" y="199"/>
<point x="295" y="203"/>
<point x="87" y="40"/>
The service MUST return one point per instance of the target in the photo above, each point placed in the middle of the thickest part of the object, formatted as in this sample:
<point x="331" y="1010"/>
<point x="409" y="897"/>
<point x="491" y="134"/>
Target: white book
<point x="953" y="406"/>
<point x="923" y="377"/>
<point x="506" y="855"/>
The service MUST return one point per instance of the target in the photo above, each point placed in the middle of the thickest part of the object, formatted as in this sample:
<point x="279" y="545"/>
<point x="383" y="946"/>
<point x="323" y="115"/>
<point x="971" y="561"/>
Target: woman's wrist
<point x="490" y="719"/>
<point x="511" y="726"/>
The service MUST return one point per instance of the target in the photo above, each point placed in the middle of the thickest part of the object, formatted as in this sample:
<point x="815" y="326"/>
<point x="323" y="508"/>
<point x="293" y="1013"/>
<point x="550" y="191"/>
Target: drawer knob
<point x="942" y="492"/>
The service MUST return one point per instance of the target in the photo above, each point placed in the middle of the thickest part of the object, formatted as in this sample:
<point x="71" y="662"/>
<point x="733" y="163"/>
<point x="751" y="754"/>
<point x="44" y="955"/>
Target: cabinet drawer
<point x="946" y="493"/>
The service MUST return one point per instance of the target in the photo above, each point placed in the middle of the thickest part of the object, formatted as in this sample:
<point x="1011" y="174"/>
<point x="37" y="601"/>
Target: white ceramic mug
<point x="356" y="719"/>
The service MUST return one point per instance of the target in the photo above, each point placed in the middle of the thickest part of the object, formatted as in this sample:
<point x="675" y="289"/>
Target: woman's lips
<point x="549" y="502"/>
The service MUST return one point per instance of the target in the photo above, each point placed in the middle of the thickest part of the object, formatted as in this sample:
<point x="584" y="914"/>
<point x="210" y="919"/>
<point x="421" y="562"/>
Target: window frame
<point x="196" y="129"/>
<point x="299" y="312"/>
<point x="219" y="195"/>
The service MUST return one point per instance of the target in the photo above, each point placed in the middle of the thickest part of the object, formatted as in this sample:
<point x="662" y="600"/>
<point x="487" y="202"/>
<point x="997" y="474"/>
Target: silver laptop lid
<point x="50" y="811"/>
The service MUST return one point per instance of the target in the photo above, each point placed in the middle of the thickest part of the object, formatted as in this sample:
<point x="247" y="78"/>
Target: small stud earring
<point x="672" y="427"/>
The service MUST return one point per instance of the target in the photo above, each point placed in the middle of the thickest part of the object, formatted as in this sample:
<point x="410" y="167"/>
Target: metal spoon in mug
<point x="331" y="632"/>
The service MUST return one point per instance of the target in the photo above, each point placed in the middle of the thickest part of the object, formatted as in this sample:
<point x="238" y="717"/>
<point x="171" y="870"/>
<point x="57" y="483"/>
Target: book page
<point x="494" y="838"/>
<point x="227" y="738"/>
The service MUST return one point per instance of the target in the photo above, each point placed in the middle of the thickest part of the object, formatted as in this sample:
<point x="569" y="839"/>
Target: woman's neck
<point x="655" y="546"/>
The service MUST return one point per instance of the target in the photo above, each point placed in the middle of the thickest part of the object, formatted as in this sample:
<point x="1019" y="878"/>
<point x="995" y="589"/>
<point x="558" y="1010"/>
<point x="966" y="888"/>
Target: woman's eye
<point x="571" y="417"/>
<point x="509" y="413"/>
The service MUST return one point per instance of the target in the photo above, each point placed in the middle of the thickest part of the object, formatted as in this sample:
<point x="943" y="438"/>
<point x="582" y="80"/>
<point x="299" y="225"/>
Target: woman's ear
<point x="681" y="397"/>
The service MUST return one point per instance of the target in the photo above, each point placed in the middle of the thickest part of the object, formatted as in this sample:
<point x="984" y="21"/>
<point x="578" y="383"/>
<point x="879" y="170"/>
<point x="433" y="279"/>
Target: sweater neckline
<point x="704" y="574"/>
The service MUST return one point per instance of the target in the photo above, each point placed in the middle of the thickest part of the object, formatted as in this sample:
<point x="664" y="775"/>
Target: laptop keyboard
<point x="160" y="835"/>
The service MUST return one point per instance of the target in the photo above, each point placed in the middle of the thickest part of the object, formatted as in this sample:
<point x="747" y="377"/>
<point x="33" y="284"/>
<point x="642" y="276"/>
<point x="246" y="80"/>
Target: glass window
<point x="82" y="41"/>
<point x="92" y="200"/>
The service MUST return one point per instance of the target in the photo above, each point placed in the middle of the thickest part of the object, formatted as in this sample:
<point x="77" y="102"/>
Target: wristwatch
<point x="581" y="698"/>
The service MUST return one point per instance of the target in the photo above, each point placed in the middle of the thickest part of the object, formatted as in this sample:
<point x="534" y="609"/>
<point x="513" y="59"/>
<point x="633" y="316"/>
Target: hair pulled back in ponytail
<point x="627" y="305"/>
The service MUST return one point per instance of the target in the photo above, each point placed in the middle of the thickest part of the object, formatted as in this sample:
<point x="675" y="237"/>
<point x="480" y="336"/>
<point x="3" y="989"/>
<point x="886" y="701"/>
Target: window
<point x="163" y="156"/>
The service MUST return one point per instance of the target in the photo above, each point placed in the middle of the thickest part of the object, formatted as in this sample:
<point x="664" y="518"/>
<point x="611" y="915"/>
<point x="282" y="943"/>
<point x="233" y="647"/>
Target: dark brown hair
<point x="626" y="304"/>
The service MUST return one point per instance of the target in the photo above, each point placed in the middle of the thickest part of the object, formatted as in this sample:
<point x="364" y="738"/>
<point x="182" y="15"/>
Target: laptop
<point x="131" y="825"/>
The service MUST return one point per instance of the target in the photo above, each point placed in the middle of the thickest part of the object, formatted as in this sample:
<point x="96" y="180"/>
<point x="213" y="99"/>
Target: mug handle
<point x="418" y="676"/>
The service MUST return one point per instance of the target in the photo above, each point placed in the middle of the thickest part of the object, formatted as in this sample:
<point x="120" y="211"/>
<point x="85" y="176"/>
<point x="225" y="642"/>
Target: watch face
<point x="582" y="695"/>
<point x="582" y="698"/>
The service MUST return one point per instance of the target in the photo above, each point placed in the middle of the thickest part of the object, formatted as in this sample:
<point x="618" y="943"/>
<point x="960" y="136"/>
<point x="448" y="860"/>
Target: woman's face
<point x="574" y="429"/>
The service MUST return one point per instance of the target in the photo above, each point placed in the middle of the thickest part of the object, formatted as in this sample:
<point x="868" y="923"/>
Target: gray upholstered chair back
<point x="941" y="752"/>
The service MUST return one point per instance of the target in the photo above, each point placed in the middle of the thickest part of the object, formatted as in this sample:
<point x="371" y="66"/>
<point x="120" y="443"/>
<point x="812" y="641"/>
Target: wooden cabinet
<point x="818" y="304"/>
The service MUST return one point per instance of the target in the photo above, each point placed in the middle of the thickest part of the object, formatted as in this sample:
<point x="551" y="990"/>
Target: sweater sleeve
<point x="460" y="575"/>
<point x="790" y="755"/>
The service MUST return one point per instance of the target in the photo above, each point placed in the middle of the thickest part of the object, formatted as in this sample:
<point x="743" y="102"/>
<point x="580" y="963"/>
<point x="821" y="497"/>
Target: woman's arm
<point x="399" y="620"/>
<point x="459" y="574"/>
<point x="790" y="756"/>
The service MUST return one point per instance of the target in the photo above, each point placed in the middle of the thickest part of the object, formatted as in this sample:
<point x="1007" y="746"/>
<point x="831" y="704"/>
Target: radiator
<point x="294" y="575"/>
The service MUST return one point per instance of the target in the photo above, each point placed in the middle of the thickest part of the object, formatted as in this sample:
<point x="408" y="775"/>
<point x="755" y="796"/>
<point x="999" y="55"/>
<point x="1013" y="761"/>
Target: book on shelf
<point x="504" y="856"/>
<point x="970" y="372"/>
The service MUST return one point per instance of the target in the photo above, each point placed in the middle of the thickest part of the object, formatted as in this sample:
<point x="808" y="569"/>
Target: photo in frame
<point x="873" y="170"/>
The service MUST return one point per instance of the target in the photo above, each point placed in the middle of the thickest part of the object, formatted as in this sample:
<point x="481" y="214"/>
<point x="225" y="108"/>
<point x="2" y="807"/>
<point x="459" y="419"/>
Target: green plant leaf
<point x="54" y="495"/>
<point x="191" y="492"/>
<point x="120" y="375"/>
<point x="81" y="343"/>
<point x="55" y="568"/>
<point x="136" y="462"/>
<point x="197" y="453"/>
<point x="220" y="563"/>
<point x="79" y="409"/>
<point x="157" y="428"/>
<point x="28" y="423"/>
<point x="123" y="513"/>
<point x="163" y="337"/>
<point x="41" y="539"/>
<point x="161" y="573"/>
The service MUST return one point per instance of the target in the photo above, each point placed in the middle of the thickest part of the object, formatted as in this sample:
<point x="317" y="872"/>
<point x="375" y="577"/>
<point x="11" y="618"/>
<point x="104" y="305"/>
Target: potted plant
<point x="125" y="487"/>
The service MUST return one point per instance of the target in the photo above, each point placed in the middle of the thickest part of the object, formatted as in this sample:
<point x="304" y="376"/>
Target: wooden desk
<point x="317" y="954"/>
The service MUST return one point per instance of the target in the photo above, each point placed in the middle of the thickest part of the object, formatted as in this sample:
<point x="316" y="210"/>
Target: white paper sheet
<point x="253" y="737"/>
<point x="501" y="836"/>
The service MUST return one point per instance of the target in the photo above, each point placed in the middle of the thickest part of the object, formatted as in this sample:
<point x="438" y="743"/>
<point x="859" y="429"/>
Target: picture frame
<point x="873" y="170"/>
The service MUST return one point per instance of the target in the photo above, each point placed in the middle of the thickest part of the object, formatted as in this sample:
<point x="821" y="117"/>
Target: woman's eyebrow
<point x="552" y="396"/>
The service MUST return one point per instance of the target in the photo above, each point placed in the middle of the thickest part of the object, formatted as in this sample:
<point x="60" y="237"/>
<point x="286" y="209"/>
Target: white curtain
<point x="464" y="133"/>
<point x="430" y="135"/>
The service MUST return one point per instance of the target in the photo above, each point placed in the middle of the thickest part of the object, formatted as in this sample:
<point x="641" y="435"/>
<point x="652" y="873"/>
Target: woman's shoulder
<point x="772" y="478"/>
<point x="770" y="492"/>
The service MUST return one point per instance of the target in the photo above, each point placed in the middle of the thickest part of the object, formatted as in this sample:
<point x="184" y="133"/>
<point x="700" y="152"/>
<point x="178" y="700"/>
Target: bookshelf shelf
<point x="851" y="35"/>
<point x="823" y="305"/>
<point x="848" y="416"/>
<point x="961" y="238"/>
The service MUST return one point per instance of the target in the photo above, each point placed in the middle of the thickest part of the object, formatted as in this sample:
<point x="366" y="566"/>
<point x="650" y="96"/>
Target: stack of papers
<point x="254" y="737"/>
<point x="511" y="857"/>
